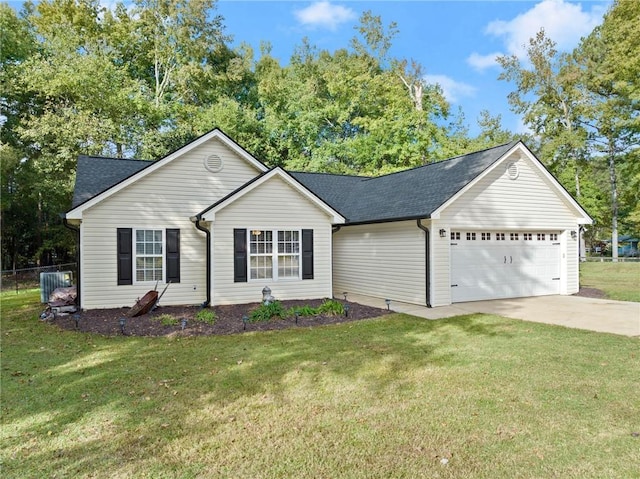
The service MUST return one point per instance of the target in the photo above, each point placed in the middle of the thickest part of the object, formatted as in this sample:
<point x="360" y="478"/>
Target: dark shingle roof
<point x="95" y="174"/>
<point x="408" y="194"/>
<point x="414" y="193"/>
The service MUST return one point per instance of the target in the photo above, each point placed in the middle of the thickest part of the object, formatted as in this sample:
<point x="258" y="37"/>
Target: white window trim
<point x="162" y="255"/>
<point x="274" y="255"/>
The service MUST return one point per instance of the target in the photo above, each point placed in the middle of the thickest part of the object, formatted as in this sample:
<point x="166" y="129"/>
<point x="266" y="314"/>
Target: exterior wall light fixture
<point x="443" y="233"/>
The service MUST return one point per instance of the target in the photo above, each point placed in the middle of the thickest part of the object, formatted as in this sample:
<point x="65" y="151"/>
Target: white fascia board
<point x="519" y="150"/>
<point x="76" y="213"/>
<point x="336" y="218"/>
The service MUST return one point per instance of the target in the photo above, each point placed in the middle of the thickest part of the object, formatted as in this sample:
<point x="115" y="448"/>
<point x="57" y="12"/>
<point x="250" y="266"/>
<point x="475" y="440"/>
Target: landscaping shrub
<point x="166" y="320"/>
<point x="206" y="316"/>
<point x="331" y="307"/>
<point x="267" y="311"/>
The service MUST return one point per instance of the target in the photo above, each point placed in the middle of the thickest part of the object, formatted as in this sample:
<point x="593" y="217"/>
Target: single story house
<point x="219" y="225"/>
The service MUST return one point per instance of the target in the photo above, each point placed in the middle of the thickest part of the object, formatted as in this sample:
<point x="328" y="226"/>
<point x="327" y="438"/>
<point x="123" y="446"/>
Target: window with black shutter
<point x="307" y="254"/>
<point x="125" y="256"/>
<point x="240" y="255"/>
<point x="173" y="255"/>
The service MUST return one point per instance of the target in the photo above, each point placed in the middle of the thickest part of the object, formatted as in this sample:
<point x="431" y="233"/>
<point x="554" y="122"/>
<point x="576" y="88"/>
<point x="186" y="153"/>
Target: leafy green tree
<point x="611" y="69"/>
<point x="551" y="102"/>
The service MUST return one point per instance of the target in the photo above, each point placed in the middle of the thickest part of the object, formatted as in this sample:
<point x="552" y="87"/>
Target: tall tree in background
<point x="611" y="69"/>
<point x="551" y="103"/>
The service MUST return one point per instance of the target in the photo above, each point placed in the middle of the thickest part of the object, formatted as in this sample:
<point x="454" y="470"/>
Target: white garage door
<point x="503" y="264"/>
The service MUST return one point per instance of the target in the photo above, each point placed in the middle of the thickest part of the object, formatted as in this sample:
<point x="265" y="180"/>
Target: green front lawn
<point x="620" y="281"/>
<point x="474" y="396"/>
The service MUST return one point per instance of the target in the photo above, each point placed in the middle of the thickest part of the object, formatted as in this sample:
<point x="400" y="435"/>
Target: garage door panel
<point x="496" y="268"/>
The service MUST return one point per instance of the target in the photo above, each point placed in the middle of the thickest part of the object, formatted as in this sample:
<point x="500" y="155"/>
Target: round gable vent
<point x="513" y="171"/>
<point x="213" y="163"/>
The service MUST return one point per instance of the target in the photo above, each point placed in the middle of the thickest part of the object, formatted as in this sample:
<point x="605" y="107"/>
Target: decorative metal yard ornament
<point x="266" y="295"/>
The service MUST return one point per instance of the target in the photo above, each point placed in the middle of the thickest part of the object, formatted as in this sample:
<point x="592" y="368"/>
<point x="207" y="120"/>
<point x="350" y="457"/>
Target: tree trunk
<point x="614" y="202"/>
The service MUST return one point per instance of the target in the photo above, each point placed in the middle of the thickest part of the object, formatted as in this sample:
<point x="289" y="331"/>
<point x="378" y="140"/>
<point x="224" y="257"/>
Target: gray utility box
<point x="51" y="281"/>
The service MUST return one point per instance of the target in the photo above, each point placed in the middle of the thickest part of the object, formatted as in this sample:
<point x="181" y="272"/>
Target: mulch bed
<point x="591" y="293"/>
<point x="228" y="320"/>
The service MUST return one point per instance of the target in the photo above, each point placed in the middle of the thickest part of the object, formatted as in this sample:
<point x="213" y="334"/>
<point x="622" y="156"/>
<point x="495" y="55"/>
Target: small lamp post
<point x="122" y="322"/>
<point x="345" y="295"/>
<point x="76" y="318"/>
<point x="388" y="301"/>
<point x="347" y="307"/>
<point x="183" y="323"/>
<point x="296" y="314"/>
<point x="245" y="319"/>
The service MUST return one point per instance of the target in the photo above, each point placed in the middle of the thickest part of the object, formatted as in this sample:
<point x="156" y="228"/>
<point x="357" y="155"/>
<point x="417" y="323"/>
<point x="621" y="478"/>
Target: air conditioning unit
<point x="51" y="281"/>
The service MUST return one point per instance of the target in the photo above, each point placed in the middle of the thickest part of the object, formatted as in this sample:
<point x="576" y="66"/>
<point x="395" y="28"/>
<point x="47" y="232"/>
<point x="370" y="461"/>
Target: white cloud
<point x="481" y="62"/>
<point x="564" y="22"/>
<point x="324" y="14"/>
<point x="453" y="90"/>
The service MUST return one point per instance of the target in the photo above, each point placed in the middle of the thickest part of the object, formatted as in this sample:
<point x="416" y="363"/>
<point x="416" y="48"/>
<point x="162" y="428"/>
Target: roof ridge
<point x="101" y="157"/>
<point x="514" y="142"/>
<point x="345" y="175"/>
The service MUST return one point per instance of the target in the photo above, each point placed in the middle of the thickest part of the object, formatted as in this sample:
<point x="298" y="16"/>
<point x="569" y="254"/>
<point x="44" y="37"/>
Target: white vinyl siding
<point x="440" y="277"/>
<point x="166" y="198"/>
<point x="495" y="202"/>
<point x="384" y="260"/>
<point x="281" y="208"/>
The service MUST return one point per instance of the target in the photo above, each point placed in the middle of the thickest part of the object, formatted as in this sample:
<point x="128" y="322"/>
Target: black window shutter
<point x="307" y="254"/>
<point x="125" y="256"/>
<point x="239" y="255"/>
<point x="173" y="255"/>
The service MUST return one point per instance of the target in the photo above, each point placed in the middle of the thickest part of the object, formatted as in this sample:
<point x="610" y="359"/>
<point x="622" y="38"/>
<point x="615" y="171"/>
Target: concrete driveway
<point x="601" y="315"/>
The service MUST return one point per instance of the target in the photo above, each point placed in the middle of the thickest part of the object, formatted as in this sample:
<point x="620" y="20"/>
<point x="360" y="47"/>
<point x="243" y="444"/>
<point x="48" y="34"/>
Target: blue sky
<point x="456" y="42"/>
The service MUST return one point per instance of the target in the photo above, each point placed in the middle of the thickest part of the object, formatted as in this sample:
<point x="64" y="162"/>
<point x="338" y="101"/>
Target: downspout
<point x="426" y="261"/>
<point x="207" y="233"/>
<point x="76" y="230"/>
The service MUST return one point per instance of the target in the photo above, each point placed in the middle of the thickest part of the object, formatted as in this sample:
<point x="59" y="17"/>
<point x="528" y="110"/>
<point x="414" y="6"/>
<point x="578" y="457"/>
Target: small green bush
<point x="166" y="320"/>
<point x="267" y="311"/>
<point x="206" y="316"/>
<point x="305" y="310"/>
<point x="331" y="307"/>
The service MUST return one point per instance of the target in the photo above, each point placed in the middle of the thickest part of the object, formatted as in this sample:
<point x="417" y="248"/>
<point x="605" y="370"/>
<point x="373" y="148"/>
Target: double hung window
<point x="149" y="255"/>
<point x="274" y="254"/>
<point x="146" y="255"/>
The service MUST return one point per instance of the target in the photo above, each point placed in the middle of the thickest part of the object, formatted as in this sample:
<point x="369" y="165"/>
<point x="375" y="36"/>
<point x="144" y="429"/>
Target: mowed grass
<point x="619" y="281"/>
<point x="474" y="396"/>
